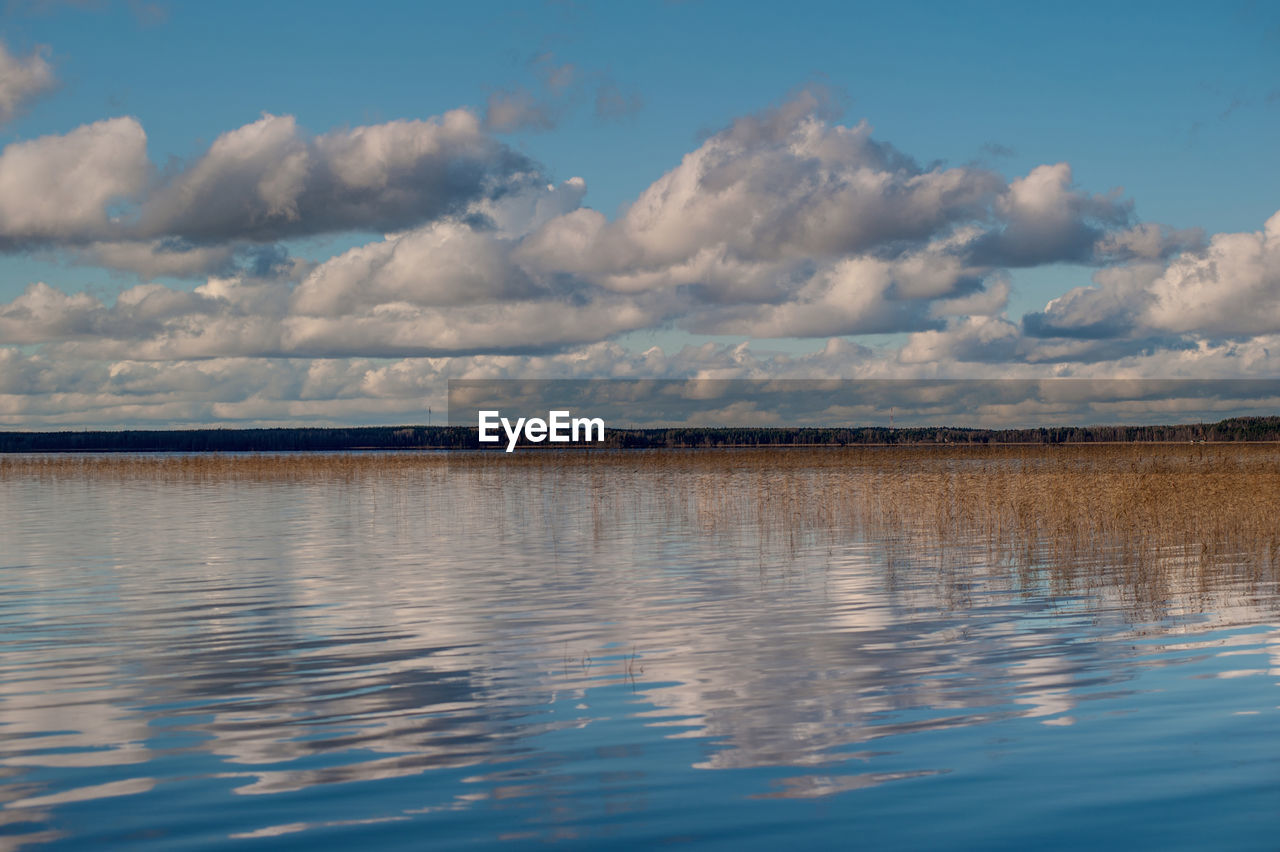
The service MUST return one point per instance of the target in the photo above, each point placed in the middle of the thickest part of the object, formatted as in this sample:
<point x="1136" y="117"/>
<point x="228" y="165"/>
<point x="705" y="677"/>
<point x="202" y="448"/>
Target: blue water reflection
<point x="450" y="657"/>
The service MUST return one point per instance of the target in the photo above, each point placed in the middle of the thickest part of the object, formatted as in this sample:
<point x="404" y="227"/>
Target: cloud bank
<point x="785" y="224"/>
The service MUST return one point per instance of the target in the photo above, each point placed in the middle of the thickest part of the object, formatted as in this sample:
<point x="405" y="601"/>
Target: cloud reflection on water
<point x="307" y="632"/>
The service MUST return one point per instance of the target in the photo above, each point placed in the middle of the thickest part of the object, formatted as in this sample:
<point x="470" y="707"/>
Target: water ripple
<point x="578" y="658"/>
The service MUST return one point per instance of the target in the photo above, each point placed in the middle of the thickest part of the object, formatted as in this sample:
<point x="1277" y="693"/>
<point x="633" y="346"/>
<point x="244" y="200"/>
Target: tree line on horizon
<point x="357" y="438"/>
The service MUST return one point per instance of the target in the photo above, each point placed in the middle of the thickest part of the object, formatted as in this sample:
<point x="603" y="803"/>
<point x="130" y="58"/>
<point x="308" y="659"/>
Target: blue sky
<point x="1133" y="96"/>
<point x="1172" y="108"/>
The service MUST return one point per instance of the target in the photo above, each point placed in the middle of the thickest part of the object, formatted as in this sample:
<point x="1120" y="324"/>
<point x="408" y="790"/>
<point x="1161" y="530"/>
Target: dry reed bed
<point x="1210" y="510"/>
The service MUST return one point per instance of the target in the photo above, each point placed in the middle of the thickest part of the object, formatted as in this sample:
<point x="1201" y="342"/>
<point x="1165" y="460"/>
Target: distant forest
<point x="464" y="437"/>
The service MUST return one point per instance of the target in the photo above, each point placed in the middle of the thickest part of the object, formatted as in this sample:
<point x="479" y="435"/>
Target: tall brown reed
<point x="1155" y="515"/>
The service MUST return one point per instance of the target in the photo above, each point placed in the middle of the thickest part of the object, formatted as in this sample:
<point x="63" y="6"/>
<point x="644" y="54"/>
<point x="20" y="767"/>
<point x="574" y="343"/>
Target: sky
<point x="319" y="213"/>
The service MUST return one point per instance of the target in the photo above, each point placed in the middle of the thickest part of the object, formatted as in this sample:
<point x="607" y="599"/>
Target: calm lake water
<point x="458" y="656"/>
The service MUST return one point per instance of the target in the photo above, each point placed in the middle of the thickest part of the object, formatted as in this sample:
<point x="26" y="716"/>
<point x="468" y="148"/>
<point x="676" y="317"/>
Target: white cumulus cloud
<point x="58" y="188"/>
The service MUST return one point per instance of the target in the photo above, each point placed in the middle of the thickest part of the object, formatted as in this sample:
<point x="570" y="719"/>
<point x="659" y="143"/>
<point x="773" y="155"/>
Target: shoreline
<point x="1239" y="430"/>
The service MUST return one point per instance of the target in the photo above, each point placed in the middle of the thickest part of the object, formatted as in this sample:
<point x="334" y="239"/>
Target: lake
<point x="980" y="648"/>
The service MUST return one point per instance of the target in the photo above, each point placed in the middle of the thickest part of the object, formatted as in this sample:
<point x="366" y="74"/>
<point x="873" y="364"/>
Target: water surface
<point x="452" y="655"/>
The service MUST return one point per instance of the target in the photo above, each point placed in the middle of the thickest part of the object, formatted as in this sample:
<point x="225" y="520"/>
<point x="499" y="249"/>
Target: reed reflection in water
<point x="1044" y="644"/>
